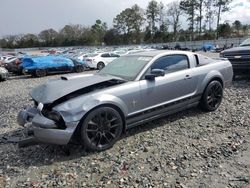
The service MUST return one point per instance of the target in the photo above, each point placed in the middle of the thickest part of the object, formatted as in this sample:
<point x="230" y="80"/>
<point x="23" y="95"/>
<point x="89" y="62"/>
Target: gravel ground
<point x="187" y="149"/>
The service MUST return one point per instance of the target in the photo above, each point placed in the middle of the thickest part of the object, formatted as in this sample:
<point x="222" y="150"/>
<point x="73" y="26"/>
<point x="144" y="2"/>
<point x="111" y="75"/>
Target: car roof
<point x="154" y="53"/>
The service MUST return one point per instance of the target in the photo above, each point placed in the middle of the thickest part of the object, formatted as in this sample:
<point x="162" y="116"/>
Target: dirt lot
<point x="188" y="149"/>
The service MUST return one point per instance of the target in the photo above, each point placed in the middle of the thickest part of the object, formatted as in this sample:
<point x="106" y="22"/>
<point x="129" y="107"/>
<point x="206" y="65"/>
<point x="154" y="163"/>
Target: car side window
<point x="171" y="63"/>
<point x="105" y="55"/>
<point x="114" y="55"/>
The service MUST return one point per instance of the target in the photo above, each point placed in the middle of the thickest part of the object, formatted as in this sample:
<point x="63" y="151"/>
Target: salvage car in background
<point x="14" y="66"/>
<point x="41" y="66"/>
<point x="131" y="90"/>
<point x="100" y="60"/>
<point x="239" y="57"/>
<point x="3" y="74"/>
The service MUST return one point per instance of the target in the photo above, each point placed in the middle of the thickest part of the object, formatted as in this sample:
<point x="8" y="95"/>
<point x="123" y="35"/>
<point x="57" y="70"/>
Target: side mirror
<point x="155" y="73"/>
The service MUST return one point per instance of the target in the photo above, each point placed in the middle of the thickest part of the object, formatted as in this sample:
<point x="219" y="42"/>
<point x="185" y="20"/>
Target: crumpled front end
<point x="46" y="127"/>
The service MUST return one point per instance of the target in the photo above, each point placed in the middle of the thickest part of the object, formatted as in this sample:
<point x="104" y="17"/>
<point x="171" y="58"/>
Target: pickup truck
<point x="239" y="57"/>
<point x="95" y="109"/>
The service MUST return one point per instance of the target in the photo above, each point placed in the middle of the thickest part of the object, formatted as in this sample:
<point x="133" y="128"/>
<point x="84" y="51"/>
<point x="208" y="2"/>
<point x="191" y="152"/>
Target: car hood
<point x="65" y="85"/>
<point x="241" y="49"/>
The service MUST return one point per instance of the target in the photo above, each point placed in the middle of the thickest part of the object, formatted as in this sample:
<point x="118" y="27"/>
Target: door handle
<point x="187" y="77"/>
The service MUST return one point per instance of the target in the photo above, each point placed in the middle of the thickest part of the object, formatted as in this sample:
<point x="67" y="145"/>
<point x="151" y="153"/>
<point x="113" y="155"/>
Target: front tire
<point x="101" y="129"/>
<point x="212" y="96"/>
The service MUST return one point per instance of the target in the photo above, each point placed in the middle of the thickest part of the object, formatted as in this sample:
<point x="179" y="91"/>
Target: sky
<point x="33" y="16"/>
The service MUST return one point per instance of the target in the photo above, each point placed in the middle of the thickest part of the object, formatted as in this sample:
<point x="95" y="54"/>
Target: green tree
<point x="29" y="40"/>
<point x="112" y="37"/>
<point x="189" y="7"/>
<point x="244" y="29"/>
<point x="99" y="29"/>
<point x="48" y="37"/>
<point x="70" y="35"/>
<point x="200" y="5"/>
<point x="237" y="26"/>
<point x="129" y="23"/>
<point x="152" y="14"/>
<point x="224" y="30"/>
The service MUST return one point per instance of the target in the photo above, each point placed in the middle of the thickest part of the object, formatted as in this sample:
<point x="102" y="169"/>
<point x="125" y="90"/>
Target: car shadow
<point x="41" y="155"/>
<point x="242" y="78"/>
<point x="241" y="82"/>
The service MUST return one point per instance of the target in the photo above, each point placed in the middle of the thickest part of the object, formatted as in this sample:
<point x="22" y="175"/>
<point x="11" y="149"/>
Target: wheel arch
<point x="116" y="107"/>
<point x="213" y="75"/>
<point x="217" y="78"/>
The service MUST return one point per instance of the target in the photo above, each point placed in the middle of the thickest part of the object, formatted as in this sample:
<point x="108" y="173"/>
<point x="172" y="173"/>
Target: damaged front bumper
<point x="44" y="130"/>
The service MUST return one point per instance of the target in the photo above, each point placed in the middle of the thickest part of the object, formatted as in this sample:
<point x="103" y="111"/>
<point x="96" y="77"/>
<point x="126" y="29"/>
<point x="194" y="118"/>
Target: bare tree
<point x="174" y="12"/>
<point x="210" y="13"/>
<point x="222" y="6"/>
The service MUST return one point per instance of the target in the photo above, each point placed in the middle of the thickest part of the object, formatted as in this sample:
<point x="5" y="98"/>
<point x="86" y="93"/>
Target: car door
<point x="114" y="56"/>
<point x="106" y="58"/>
<point x="173" y="88"/>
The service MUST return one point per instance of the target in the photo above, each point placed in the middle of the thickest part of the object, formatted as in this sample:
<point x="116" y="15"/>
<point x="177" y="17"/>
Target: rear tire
<point x="40" y="73"/>
<point x="101" y="128"/>
<point x="212" y="96"/>
<point x="100" y="65"/>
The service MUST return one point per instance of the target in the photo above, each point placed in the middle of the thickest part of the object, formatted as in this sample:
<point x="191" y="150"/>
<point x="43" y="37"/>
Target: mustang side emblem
<point x="134" y="102"/>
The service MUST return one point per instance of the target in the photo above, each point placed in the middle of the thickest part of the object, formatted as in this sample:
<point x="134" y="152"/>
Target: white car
<point x="9" y="59"/>
<point x="100" y="60"/>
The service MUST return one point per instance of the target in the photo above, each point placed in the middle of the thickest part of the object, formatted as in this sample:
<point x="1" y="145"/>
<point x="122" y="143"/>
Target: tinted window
<point x="105" y="55"/>
<point x="114" y="55"/>
<point x="171" y="63"/>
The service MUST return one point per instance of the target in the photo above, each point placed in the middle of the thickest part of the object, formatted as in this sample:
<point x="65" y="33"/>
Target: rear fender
<point x="212" y="75"/>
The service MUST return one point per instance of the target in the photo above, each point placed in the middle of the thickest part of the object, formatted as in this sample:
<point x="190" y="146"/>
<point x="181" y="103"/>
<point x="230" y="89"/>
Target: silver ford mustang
<point x="96" y="109"/>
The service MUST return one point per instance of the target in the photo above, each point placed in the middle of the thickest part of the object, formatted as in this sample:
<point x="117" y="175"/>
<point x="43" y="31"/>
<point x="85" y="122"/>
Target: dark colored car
<point x="239" y="57"/>
<point x="42" y="66"/>
<point x="14" y="66"/>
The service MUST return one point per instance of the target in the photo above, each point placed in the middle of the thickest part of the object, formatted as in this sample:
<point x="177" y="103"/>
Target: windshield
<point x="126" y="67"/>
<point x="246" y="42"/>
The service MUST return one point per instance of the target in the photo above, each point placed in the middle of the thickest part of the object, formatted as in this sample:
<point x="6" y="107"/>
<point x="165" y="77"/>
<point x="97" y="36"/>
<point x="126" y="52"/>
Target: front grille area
<point x="236" y="56"/>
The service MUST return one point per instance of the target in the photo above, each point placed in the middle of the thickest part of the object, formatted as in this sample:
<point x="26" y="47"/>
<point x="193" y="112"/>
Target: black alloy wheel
<point x="100" y="65"/>
<point x="212" y="96"/>
<point x="40" y="73"/>
<point x="101" y="128"/>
